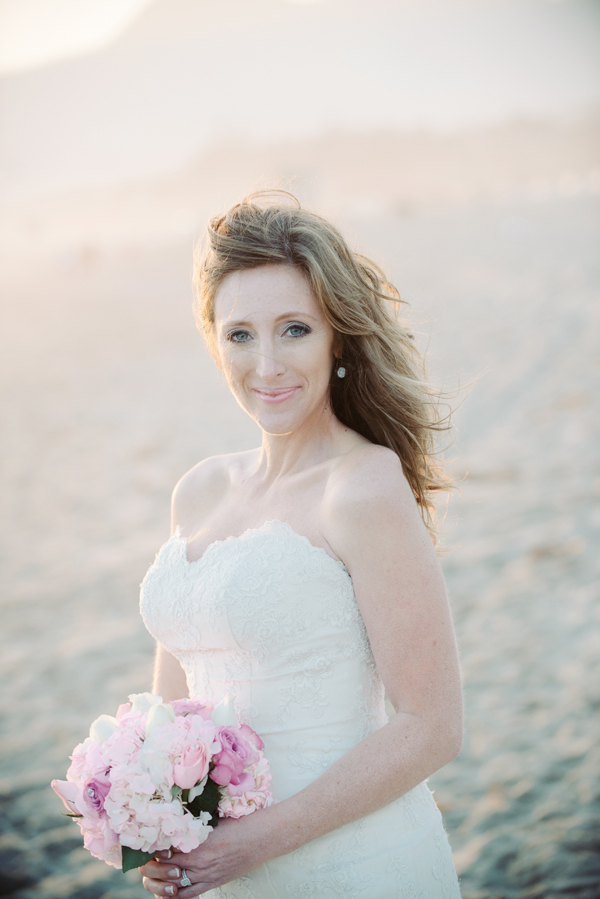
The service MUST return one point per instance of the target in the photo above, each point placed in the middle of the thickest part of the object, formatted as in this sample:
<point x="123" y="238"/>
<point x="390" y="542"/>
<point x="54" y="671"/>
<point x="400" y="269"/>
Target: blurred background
<point x="457" y="143"/>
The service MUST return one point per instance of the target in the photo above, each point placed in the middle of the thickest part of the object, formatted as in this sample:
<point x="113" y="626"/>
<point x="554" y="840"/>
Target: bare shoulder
<point x="203" y="487"/>
<point x="369" y="499"/>
<point x="370" y="476"/>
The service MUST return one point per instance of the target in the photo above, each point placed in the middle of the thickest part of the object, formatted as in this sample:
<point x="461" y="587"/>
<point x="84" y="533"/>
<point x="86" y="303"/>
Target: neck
<point x="319" y="438"/>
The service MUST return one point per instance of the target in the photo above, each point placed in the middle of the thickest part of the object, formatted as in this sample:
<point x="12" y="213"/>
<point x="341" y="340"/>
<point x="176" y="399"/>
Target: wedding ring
<point x="185" y="880"/>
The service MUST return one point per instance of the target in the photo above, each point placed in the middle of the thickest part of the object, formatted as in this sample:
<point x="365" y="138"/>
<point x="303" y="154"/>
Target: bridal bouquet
<point x="159" y="775"/>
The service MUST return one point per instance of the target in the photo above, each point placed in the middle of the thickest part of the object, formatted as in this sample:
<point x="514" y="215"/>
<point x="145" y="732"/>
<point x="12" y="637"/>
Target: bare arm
<point x="169" y="678"/>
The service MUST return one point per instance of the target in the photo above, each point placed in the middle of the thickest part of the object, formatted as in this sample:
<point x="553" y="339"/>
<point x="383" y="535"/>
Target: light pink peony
<point x="101" y="840"/>
<point x="87" y="760"/>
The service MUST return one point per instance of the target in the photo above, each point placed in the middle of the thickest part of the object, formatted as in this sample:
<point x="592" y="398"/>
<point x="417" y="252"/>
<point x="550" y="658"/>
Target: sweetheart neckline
<point x="234" y="539"/>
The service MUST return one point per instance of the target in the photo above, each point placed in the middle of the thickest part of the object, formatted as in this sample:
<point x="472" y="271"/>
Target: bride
<point x="302" y="576"/>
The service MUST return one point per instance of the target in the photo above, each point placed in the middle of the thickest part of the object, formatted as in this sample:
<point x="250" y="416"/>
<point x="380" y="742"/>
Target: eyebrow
<point x="286" y="316"/>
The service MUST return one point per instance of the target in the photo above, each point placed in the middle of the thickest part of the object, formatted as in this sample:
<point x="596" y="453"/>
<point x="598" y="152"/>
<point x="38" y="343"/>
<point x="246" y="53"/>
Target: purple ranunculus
<point x="95" y="792"/>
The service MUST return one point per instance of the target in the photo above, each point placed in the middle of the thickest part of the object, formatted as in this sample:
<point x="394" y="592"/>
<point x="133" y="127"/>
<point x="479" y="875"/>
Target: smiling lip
<point x="278" y="395"/>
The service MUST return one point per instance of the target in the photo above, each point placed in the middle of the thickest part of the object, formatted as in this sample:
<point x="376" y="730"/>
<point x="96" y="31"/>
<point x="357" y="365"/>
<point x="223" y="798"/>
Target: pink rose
<point x="228" y="768"/>
<point x="237" y="752"/>
<point x="240" y="785"/>
<point x="192" y="767"/>
<point x="251" y="736"/>
<point x="241" y="741"/>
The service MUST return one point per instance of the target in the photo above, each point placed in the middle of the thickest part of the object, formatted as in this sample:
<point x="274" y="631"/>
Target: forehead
<point x="267" y="291"/>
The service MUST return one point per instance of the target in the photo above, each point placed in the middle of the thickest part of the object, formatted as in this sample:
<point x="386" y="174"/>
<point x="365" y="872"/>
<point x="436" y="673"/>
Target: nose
<point x="268" y="367"/>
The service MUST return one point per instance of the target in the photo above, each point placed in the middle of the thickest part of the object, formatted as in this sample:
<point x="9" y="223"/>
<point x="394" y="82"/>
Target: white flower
<point x="161" y="713"/>
<point x="141" y="702"/>
<point x="223" y="715"/>
<point x="103" y="727"/>
<point x="157" y="764"/>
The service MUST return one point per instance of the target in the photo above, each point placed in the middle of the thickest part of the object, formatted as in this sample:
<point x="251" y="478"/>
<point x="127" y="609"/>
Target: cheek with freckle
<point x="235" y="376"/>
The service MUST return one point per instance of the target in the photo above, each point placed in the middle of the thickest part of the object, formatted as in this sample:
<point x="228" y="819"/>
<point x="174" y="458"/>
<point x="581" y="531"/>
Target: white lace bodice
<point x="274" y="619"/>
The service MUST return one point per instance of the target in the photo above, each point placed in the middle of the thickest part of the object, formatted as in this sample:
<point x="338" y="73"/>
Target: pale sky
<point x="93" y="91"/>
<point x="37" y="32"/>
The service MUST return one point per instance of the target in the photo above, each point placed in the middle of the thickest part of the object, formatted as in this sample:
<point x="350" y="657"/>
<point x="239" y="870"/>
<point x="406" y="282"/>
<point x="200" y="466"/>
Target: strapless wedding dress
<point x="273" y="619"/>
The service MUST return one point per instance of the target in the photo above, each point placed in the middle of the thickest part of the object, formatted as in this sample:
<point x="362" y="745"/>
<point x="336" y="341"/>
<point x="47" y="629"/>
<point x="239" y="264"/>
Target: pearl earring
<point x="341" y="372"/>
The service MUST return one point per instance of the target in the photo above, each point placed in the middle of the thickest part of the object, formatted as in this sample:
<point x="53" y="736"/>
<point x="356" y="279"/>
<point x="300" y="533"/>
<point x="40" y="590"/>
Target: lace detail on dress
<point x="304" y="685"/>
<point x="243" y="890"/>
<point x="402" y="870"/>
<point x="370" y="701"/>
<point x="416" y="806"/>
<point x="342" y="874"/>
<point x="443" y="869"/>
<point x="172" y="597"/>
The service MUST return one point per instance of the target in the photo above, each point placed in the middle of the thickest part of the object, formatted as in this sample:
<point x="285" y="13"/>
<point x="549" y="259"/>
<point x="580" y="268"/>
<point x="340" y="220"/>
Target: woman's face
<point x="274" y="345"/>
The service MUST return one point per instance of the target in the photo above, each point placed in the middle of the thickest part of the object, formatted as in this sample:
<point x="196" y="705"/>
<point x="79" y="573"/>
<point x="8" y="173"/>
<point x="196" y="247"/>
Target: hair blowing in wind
<point x="385" y="395"/>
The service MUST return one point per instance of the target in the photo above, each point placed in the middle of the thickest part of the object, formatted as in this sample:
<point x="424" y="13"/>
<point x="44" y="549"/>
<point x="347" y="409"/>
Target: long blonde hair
<point x="384" y="395"/>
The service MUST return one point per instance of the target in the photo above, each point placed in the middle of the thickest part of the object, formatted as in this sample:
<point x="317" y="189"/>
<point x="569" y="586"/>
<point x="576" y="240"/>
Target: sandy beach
<point x="109" y="397"/>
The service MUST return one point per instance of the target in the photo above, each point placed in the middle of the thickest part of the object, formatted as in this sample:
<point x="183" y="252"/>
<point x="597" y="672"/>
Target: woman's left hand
<point x="233" y="848"/>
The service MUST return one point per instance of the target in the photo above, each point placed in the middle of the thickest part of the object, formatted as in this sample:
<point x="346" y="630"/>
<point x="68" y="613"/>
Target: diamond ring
<point x="185" y="880"/>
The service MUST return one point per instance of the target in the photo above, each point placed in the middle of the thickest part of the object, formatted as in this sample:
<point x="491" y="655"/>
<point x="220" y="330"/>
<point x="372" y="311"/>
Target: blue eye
<point x="296" y="331"/>
<point x="238" y="337"/>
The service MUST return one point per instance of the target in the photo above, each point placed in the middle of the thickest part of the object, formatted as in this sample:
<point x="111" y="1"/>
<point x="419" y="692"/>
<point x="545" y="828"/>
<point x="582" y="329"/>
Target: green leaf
<point x="71" y="815"/>
<point x="206" y="802"/>
<point x="135" y="858"/>
<point x="175" y="791"/>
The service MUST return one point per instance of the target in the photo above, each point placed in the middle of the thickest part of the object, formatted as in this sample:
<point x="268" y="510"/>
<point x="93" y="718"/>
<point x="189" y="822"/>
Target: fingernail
<point x="170" y="890"/>
<point x="175" y="872"/>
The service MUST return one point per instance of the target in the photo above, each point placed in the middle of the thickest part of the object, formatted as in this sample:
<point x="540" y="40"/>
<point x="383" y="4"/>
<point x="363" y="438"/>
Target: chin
<point x="276" y="429"/>
<point x="278" y="425"/>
